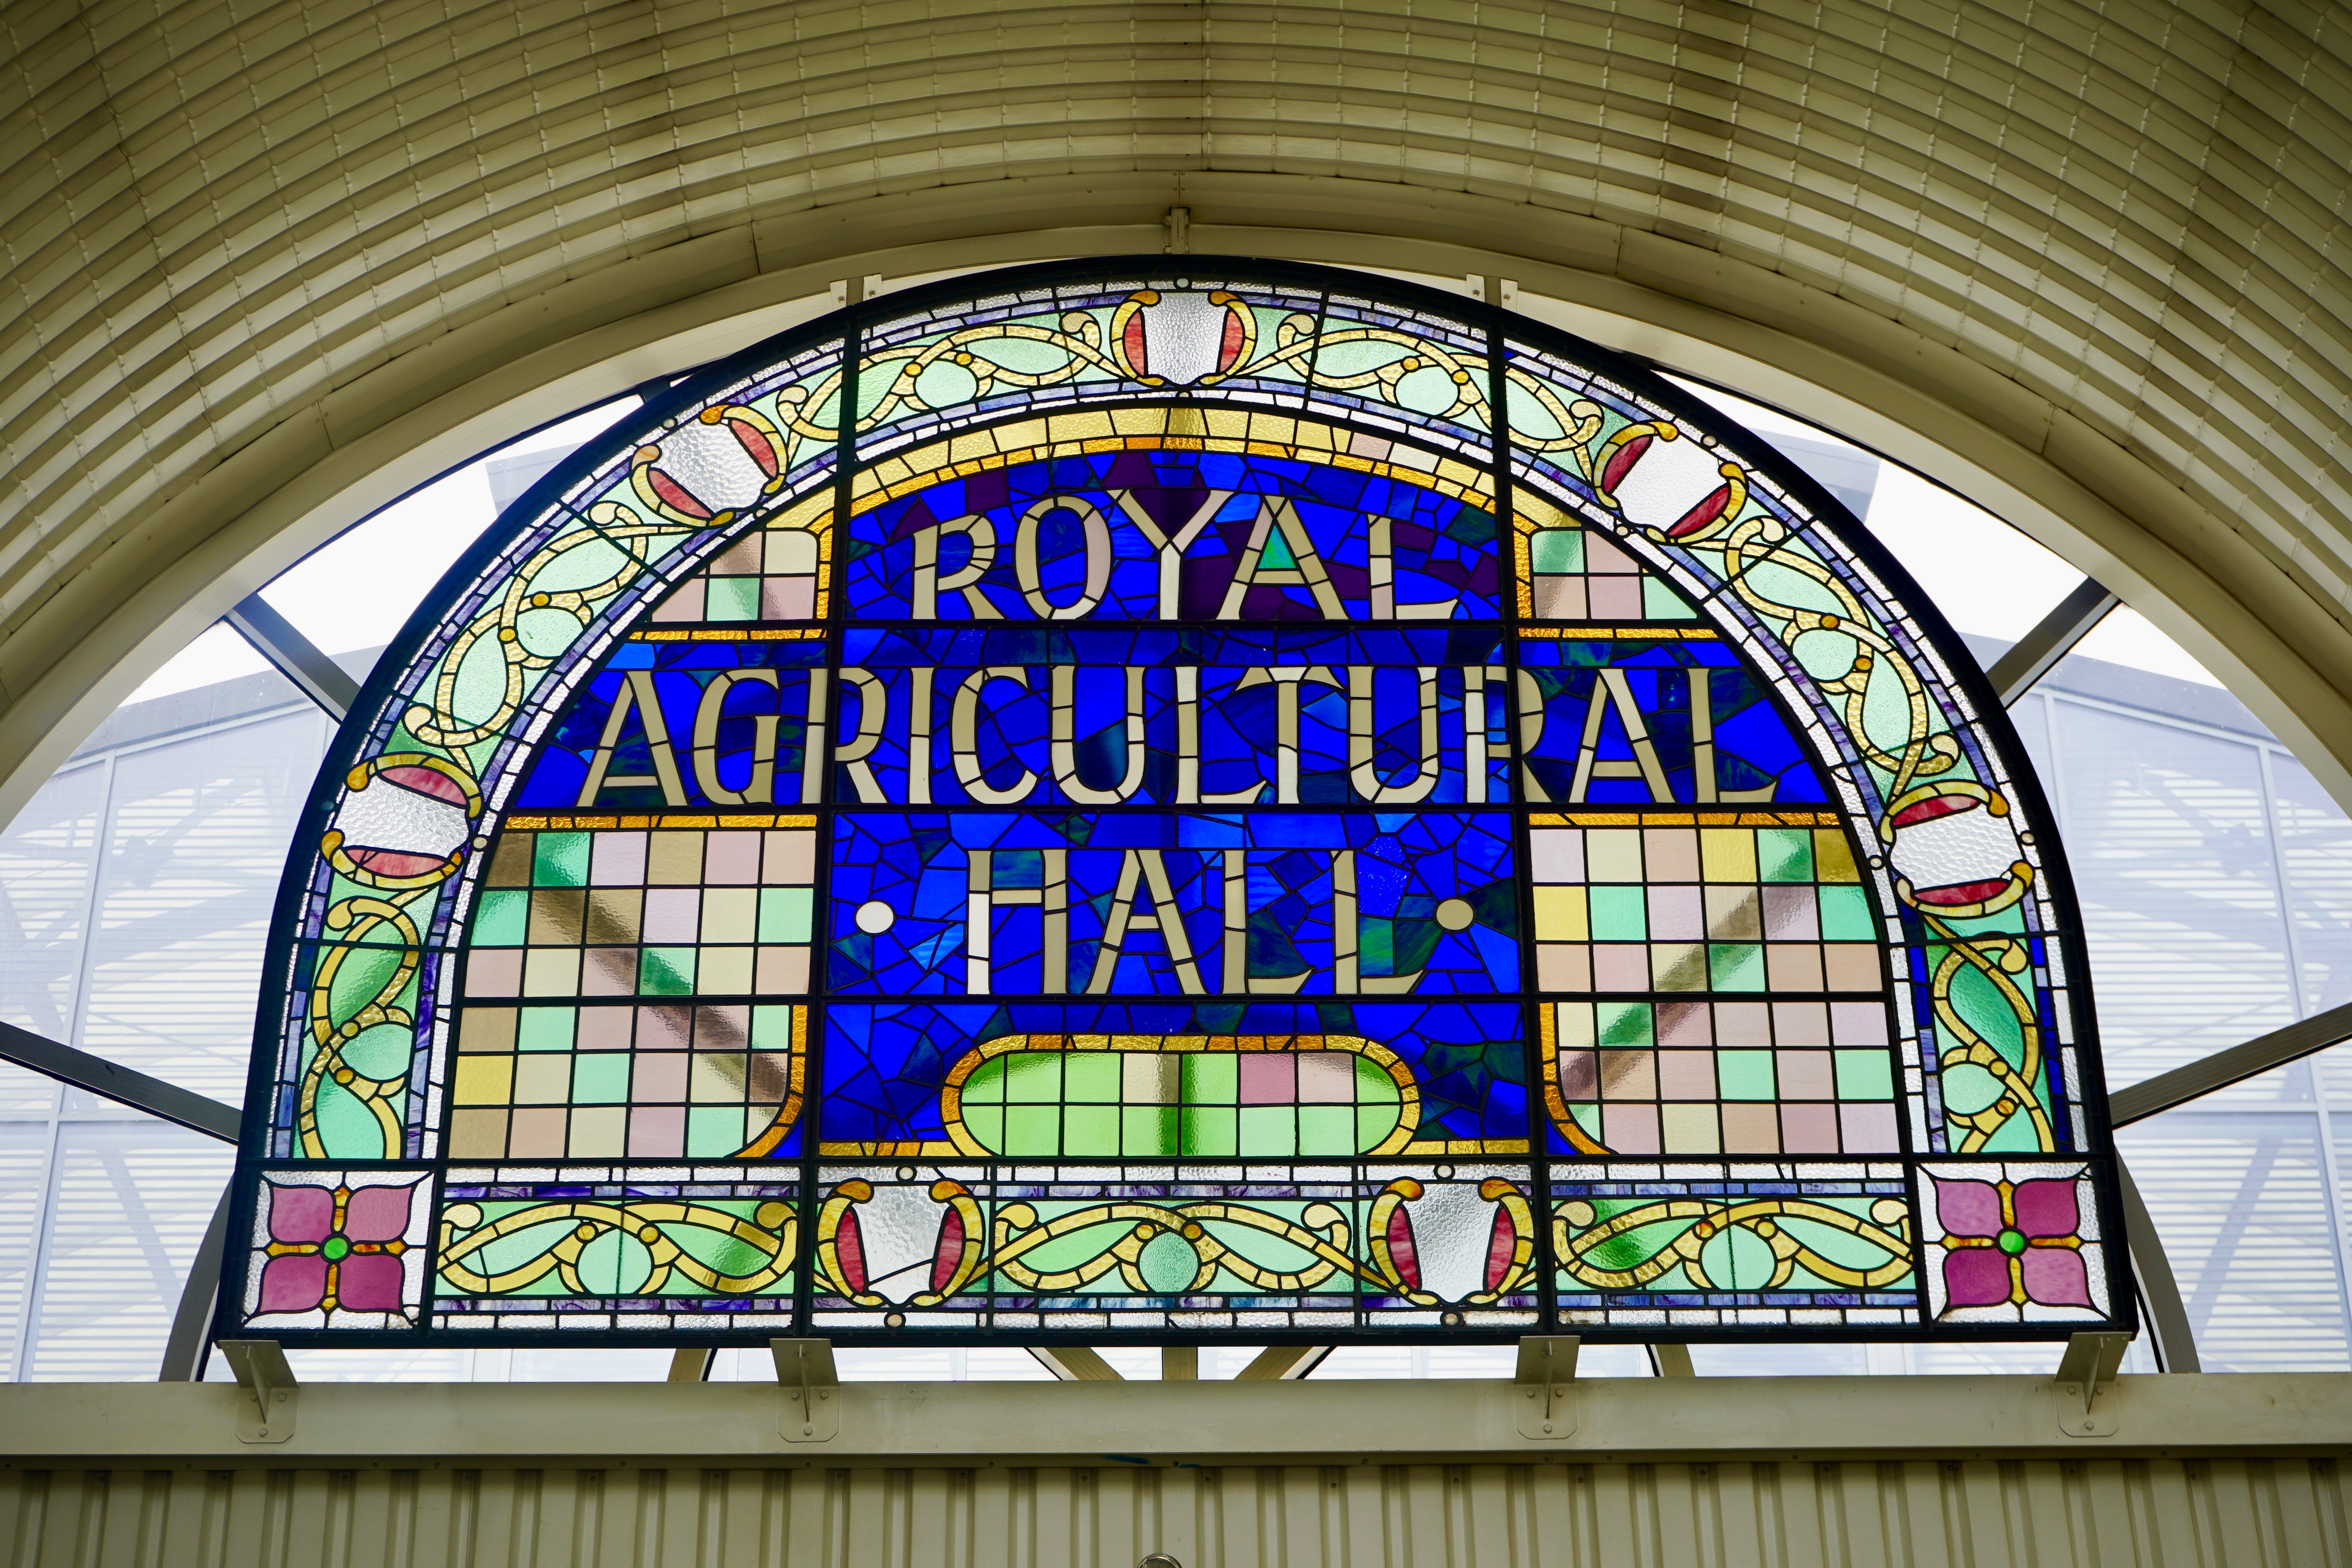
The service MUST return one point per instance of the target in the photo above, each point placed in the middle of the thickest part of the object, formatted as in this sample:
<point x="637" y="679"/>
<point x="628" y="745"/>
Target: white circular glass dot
<point x="1456" y="914"/>
<point x="874" y="917"/>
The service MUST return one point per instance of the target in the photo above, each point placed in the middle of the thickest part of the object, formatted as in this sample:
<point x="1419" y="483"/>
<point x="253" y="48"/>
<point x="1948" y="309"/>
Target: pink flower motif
<point x="2009" y="1243"/>
<point x="335" y="1249"/>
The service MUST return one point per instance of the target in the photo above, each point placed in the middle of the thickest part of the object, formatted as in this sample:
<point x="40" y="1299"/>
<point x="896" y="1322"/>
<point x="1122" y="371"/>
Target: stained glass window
<point x="1172" y="801"/>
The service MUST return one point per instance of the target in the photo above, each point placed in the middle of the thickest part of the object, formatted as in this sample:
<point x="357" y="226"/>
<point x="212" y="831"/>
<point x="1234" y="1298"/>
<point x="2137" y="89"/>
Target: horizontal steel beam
<point x="123" y="1085"/>
<point x="2151" y="1097"/>
<point x="1155" y="1424"/>
<point x="295" y="657"/>
<point x="2016" y="672"/>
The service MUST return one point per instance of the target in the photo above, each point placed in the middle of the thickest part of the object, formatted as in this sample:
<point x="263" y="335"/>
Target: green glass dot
<point x="336" y="1250"/>
<point x="2011" y="1242"/>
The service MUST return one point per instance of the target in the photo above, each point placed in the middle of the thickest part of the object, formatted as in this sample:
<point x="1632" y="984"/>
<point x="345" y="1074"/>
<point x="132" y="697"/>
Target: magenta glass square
<point x="294" y="1284"/>
<point x="1977" y="1276"/>
<point x="369" y="1282"/>
<point x="300" y="1213"/>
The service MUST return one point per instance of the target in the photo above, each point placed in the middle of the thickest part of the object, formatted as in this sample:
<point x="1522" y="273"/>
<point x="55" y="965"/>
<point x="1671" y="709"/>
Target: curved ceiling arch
<point x="268" y="271"/>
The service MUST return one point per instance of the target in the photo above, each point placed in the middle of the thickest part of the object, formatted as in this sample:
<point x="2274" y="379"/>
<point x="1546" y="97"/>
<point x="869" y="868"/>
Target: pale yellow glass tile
<point x="483" y="1080"/>
<point x="724" y="971"/>
<point x="1727" y="854"/>
<point x="715" y="1078"/>
<point x="543" y="1077"/>
<point x="551" y="971"/>
<point x="1561" y="914"/>
<point x="599" y="1130"/>
<point x="730" y="914"/>
<point x="1613" y="855"/>
<point x="1690" y="1129"/>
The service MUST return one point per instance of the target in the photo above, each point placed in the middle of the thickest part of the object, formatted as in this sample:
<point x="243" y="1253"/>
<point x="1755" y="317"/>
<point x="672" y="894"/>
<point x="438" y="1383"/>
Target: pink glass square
<point x="1859" y="1023"/>
<point x="1800" y="1024"/>
<point x="618" y="860"/>
<point x="1742" y="1023"/>
<point x="1869" y="1129"/>
<point x="731" y="858"/>
<point x="494" y="972"/>
<point x="656" y="1077"/>
<point x="1804" y="1075"/>
<point x="673" y="914"/>
<point x="1326" y="1078"/>
<point x="1809" y="1129"/>
<point x="1614" y="598"/>
<point x="1269" y="1078"/>
<point x="657" y="1131"/>
<point x="604" y="1029"/>
<point x="1630" y="1129"/>
<point x="1684" y="1024"/>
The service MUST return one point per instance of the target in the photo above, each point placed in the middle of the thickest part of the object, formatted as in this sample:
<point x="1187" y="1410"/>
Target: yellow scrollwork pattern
<point x="1611" y="1254"/>
<point x="758" y="1247"/>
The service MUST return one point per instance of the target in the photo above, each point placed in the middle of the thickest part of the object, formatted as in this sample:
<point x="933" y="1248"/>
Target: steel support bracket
<point x="811" y="1412"/>
<point x="1546" y="1381"/>
<point x="268" y="1398"/>
<point x="2086" y="1371"/>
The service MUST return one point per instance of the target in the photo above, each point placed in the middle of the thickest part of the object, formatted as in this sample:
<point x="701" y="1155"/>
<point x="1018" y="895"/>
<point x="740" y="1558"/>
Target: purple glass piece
<point x="2046" y="1208"/>
<point x="295" y="1284"/>
<point x="369" y="1282"/>
<point x="377" y="1214"/>
<point x="2055" y="1276"/>
<point x="1977" y="1276"/>
<point x="1970" y="1208"/>
<point x="301" y="1214"/>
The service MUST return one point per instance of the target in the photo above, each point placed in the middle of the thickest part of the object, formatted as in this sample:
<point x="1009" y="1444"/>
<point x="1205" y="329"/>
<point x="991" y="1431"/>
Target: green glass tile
<point x="1845" y="915"/>
<point x="731" y="599"/>
<point x="985" y="1124"/>
<point x="1784" y="854"/>
<point x="499" y="917"/>
<point x="560" y="860"/>
<point x="772" y="1028"/>
<point x="1735" y="965"/>
<point x="1660" y="602"/>
<point x="1329" y="1130"/>
<point x="1211" y="1077"/>
<point x="666" y="971"/>
<point x="1147" y="1129"/>
<point x="1744" y="1075"/>
<point x="1090" y="1078"/>
<point x="1033" y="1129"/>
<point x="544" y="1029"/>
<point x="1267" y="1131"/>
<point x="1208" y="1130"/>
<point x="1374" y="1086"/>
<point x="986" y="1084"/>
<point x="786" y="914"/>
<point x="1556" y="550"/>
<point x="1864" y="1075"/>
<point x="600" y="1078"/>
<point x="1586" y="1117"/>
<point x="1624" y="1022"/>
<point x="1619" y="914"/>
<point x="1033" y="1078"/>
<point x="1088" y="1129"/>
<point x="1373" y="1125"/>
<point x="713" y="1133"/>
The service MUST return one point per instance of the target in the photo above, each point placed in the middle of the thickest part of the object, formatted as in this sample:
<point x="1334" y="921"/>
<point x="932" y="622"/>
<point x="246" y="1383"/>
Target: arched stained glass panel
<point x="1166" y="801"/>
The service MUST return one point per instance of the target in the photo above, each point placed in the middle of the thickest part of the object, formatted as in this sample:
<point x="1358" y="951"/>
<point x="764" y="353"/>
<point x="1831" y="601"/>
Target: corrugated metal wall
<point x="2030" y="1513"/>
